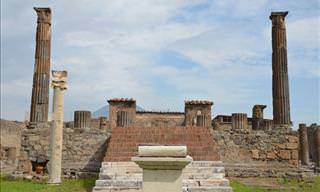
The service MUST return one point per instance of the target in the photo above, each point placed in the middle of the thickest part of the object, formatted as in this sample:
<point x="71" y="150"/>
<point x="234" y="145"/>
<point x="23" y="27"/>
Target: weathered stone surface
<point x="82" y="119"/>
<point x="255" y="154"/>
<point x="285" y="154"/>
<point x="162" y="151"/>
<point x="280" y="82"/>
<point x="303" y="148"/>
<point x="40" y="88"/>
<point x="59" y="84"/>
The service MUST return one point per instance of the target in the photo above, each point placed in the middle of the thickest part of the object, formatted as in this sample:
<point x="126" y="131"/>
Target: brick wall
<point x="125" y="141"/>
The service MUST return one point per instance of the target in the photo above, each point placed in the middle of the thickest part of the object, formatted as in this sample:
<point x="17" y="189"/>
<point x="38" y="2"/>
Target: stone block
<point x="294" y="154"/>
<point x="271" y="155"/>
<point x="285" y="154"/>
<point x="255" y="154"/>
<point x="292" y="139"/>
<point x="292" y="145"/>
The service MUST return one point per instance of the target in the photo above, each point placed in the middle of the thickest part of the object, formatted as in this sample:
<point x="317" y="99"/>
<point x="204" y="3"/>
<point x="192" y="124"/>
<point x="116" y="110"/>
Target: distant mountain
<point x="104" y="111"/>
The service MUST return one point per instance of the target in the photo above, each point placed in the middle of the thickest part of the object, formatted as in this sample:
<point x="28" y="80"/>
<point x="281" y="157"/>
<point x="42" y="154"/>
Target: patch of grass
<point x="285" y="185"/>
<point x="79" y="185"/>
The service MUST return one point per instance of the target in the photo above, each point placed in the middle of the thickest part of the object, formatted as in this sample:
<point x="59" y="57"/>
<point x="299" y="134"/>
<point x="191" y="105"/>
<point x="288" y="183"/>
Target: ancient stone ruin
<point x="235" y="145"/>
<point x="41" y="76"/>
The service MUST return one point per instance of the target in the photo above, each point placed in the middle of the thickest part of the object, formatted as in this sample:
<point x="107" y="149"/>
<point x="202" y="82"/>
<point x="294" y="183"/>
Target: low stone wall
<point x="10" y="144"/>
<point x="82" y="154"/>
<point x="272" y="153"/>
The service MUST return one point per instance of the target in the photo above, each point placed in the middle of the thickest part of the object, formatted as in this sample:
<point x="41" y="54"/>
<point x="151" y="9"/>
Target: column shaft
<point x="317" y="146"/>
<point x="280" y="82"/>
<point x="41" y="76"/>
<point x="56" y="132"/>
<point x="304" y="148"/>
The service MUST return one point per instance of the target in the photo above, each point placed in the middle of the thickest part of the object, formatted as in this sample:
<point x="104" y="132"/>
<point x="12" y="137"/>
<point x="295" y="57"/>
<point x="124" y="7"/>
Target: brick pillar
<point x="239" y="121"/>
<point x="280" y="82"/>
<point x="303" y="147"/>
<point x="59" y="84"/>
<point x="317" y="146"/>
<point x="198" y="113"/>
<point x="257" y="117"/>
<point x="41" y="76"/>
<point x="82" y="119"/>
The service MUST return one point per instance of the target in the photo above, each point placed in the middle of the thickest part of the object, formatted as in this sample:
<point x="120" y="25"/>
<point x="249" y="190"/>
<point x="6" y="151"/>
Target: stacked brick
<point x="125" y="141"/>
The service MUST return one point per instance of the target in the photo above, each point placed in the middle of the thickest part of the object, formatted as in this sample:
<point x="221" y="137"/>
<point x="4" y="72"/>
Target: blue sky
<point x="163" y="52"/>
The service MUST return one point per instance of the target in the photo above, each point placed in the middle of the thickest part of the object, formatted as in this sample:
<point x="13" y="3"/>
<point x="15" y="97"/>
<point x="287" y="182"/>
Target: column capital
<point x="281" y="14"/>
<point x="44" y="14"/>
<point x="278" y="18"/>
<point x="59" y="79"/>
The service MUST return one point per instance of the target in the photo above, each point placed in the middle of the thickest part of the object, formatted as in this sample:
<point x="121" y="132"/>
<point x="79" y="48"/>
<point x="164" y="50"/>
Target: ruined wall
<point x="258" y="153"/>
<point x="159" y="119"/>
<point x="82" y="151"/>
<point x="10" y="143"/>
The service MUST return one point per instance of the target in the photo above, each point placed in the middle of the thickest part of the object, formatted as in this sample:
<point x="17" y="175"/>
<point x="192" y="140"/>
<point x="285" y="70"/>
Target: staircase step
<point x="119" y="183"/>
<point x="207" y="189"/>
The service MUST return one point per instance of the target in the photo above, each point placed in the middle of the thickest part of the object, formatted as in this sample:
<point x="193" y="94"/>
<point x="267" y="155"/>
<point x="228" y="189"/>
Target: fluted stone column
<point x="303" y="148"/>
<point x="59" y="84"/>
<point x="82" y="119"/>
<point x="257" y="116"/>
<point x="280" y="82"/>
<point x="41" y="76"/>
<point x="317" y="147"/>
<point x="239" y="121"/>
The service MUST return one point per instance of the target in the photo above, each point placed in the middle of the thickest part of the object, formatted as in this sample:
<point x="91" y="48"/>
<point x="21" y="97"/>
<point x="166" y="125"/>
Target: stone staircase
<point x="198" y="176"/>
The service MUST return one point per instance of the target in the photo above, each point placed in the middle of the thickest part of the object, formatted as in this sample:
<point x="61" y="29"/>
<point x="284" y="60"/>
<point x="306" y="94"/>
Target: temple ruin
<point x="234" y="145"/>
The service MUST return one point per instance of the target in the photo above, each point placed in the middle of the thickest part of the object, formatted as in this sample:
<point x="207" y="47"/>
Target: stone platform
<point x="198" y="176"/>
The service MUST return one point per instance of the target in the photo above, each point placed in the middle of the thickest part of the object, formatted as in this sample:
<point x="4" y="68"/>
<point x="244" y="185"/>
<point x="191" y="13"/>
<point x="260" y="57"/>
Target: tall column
<point x="280" y="82"/>
<point x="239" y="121"/>
<point x="303" y="148"/>
<point x="257" y="116"/>
<point x="41" y="76"/>
<point x="82" y="119"/>
<point x="59" y="84"/>
<point x="317" y="147"/>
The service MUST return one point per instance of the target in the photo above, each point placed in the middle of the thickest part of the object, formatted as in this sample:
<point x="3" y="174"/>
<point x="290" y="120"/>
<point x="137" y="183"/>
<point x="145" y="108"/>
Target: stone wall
<point x="82" y="151"/>
<point x="10" y="144"/>
<point x="271" y="153"/>
<point x="159" y="119"/>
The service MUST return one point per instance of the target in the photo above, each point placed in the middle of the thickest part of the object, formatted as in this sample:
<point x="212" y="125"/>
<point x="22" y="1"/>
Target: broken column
<point x="317" y="147"/>
<point x="280" y="82"/>
<point x="162" y="167"/>
<point x="303" y="148"/>
<point x="257" y="117"/>
<point x="239" y="121"/>
<point x="41" y="76"/>
<point x="82" y="119"/>
<point x="59" y="84"/>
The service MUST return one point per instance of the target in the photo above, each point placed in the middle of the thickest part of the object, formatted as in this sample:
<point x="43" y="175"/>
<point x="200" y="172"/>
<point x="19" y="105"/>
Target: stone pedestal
<point x="162" y="172"/>
<point x="303" y="147"/>
<point x="59" y="85"/>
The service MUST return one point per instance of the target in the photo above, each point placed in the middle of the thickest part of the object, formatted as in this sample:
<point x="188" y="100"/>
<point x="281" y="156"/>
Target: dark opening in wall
<point x="39" y="167"/>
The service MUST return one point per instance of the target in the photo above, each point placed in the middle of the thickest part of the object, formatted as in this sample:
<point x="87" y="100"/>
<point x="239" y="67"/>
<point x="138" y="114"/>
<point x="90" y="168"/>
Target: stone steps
<point x="198" y="176"/>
